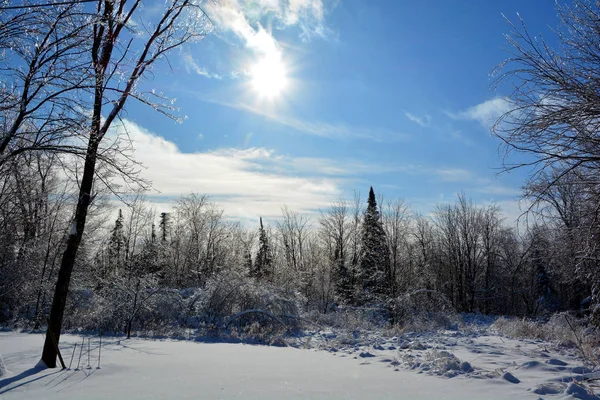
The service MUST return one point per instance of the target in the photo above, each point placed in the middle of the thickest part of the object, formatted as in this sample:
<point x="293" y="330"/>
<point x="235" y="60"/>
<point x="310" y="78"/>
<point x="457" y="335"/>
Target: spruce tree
<point x="164" y="225"/>
<point x="343" y="279"/>
<point x="116" y="245"/>
<point x="375" y="257"/>
<point x="248" y="263"/>
<point x="263" y="263"/>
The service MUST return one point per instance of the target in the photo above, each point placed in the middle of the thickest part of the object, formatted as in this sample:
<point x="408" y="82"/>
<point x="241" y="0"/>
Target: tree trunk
<point x="128" y="328"/>
<point x="68" y="259"/>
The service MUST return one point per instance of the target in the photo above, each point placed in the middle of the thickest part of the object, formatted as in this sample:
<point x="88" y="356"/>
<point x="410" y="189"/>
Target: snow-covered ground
<point x="446" y="365"/>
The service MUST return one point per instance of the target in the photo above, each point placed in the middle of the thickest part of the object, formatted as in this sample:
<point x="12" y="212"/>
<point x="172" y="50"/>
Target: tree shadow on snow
<point x="23" y="375"/>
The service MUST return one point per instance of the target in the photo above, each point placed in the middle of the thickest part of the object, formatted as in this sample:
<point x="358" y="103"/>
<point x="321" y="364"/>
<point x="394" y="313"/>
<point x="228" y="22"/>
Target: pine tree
<point x="248" y="263"/>
<point x="164" y="225"/>
<point x="343" y="279"/>
<point x="116" y="245"/>
<point x="263" y="263"/>
<point x="375" y="257"/>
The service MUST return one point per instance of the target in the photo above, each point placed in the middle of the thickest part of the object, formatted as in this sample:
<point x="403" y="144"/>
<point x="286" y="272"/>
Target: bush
<point x="238" y="303"/>
<point x="562" y="329"/>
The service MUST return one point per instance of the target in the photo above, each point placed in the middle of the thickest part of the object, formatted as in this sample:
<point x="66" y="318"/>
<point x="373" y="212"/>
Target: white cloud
<point x="239" y="18"/>
<point x="515" y="213"/>
<point x="499" y="190"/>
<point x="454" y="175"/>
<point x="191" y="66"/>
<point x="243" y="20"/>
<point x="424" y="121"/>
<point x="245" y="182"/>
<point x="486" y="113"/>
<point x="254" y="182"/>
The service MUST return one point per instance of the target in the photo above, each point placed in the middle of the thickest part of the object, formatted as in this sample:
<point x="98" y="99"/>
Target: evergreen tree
<point x="148" y="258"/>
<point x="248" y="263"/>
<point x="116" y="245"/>
<point x="344" y="284"/>
<point x="263" y="263"/>
<point x="375" y="257"/>
<point x="164" y="225"/>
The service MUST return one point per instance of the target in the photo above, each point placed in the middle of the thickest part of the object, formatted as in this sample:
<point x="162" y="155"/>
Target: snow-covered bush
<point x="352" y="318"/>
<point x="561" y="329"/>
<point x="122" y="302"/>
<point x="442" y="362"/>
<point x="437" y="363"/>
<point x="430" y="322"/>
<point x="238" y="303"/>
<point x="520" y="328"/>
<point x="423" y="310"/>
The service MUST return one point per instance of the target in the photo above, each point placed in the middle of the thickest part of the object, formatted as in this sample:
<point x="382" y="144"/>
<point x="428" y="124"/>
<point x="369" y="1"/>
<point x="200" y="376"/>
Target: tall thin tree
<point x="113" y="56"/>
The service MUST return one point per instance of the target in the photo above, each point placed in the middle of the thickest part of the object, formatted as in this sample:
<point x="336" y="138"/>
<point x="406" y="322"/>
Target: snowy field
<point x="447" y="365"/>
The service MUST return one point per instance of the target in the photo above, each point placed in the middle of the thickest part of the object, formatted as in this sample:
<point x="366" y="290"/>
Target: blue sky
<point x="394" y="94"/>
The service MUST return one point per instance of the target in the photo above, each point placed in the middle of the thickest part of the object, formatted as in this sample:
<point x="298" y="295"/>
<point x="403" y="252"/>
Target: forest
<point x="85" y="248"/>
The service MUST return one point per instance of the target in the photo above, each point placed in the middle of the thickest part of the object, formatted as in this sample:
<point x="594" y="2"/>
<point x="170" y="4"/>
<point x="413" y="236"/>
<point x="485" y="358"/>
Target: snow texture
<point x="329" y="365"/>
<point x="3" y="370"/>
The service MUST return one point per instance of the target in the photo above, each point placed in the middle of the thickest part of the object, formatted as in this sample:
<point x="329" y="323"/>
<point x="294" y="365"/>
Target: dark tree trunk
<point x="68" y="259"/>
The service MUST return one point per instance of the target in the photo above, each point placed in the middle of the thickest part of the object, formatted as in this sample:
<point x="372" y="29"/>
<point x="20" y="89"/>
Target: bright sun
<point x="269" y="77"/>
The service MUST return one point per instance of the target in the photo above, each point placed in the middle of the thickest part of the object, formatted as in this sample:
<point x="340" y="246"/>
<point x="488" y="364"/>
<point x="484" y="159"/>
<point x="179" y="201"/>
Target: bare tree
<point x="554" y="107"/>
<point x="459" y="234"/>
<point x="32" y="203"/>
<point x="422" y="253"/>
<point x="554" y="119"/>
<point x="114" y="54"/>
<point x="396" y="221"/>
<point x="335" y="236"/>
<point x="44" y="69"/>
<point x="293" y="231"/>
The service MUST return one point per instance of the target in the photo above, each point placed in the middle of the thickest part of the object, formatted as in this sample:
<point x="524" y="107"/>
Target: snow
<point x="445" y="365"/>
<point x="3" y="370"/>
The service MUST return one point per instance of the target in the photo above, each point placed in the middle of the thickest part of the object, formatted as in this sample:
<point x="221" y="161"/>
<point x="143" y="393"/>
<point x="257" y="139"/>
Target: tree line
<point x="366" y="253"/>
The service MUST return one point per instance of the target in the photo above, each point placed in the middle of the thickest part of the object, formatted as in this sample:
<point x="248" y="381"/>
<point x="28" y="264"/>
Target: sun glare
<point x="269" y="77"/>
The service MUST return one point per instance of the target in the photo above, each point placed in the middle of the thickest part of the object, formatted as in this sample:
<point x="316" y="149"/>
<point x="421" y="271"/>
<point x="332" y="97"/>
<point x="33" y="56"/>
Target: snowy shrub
<point x="352" y="318"/>
<point x="518" y="328"/>
<point x="123" y="303"/>
<point x="562" y="329"/>
<point x="423" y="310"/>
<point x="429" y="322"/>
<point x="233" y="301"/>
<point x="442" y="362"/>
<point x="436" y="362"/>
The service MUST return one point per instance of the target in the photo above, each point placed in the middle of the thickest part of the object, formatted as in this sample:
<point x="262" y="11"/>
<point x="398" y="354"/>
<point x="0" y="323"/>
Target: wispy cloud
<point x="191" y="66"/>
<point x="238" y="16"/>
<point x="454" y="174"/>
<point x="442" y="129"/>
<point x="243" y="20"/>
<point x="486" y="113"/>
<point x="500" y="190"/>
<point x="316" y="128"/>
<point x="475" y="182"/>
<point x="424" y="121"/>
